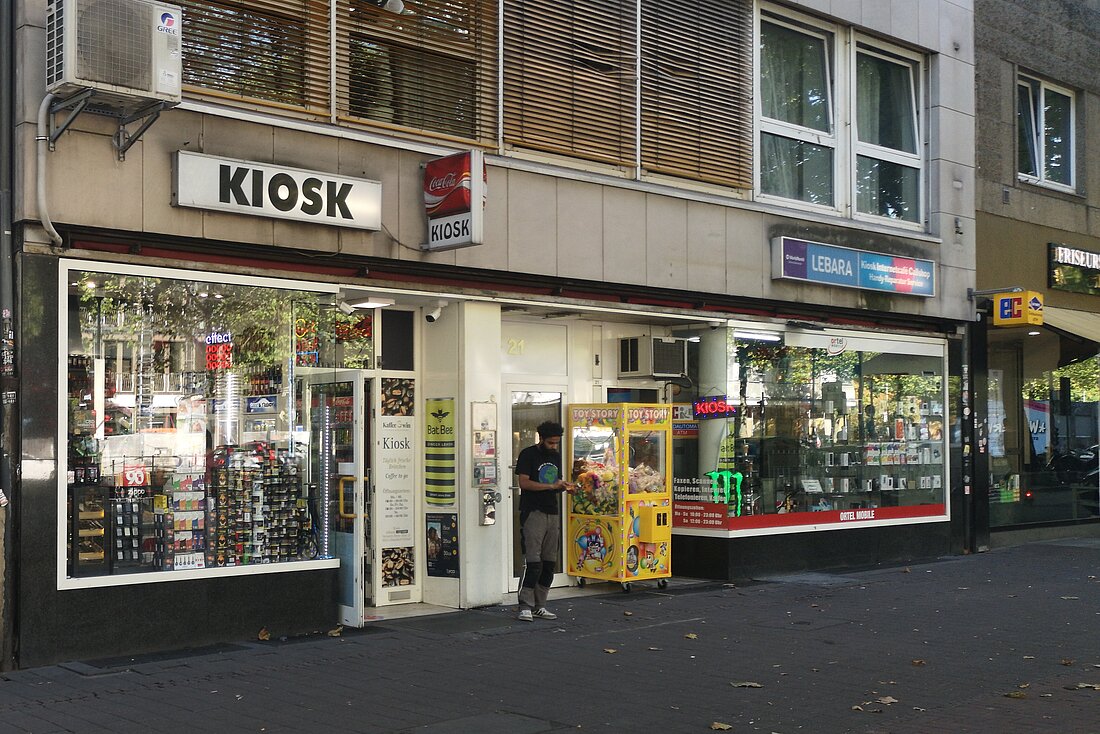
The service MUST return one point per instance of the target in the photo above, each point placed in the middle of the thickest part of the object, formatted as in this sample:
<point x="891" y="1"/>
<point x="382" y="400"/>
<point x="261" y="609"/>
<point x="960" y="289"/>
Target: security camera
<point x="345" y="308"/>
<point x="432" y="316"/>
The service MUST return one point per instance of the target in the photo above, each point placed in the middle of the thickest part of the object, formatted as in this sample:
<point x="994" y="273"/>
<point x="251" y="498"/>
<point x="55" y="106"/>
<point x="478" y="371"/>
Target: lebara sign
<point x="815" y="262"/>
<point x="258" y="189"/>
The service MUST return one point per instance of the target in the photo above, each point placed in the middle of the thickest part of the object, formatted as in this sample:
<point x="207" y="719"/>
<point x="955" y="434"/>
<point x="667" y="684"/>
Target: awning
<point x="1084" y="324"/>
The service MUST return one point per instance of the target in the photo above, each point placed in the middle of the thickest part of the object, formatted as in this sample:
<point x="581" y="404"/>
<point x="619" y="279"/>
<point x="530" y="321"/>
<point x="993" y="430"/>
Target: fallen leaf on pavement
<point x="1070" y="598"/>
<point x="655" y="649"/>
<point x="1093" y="686"/>
<point x="691" y="636"/>
<point x="747" y="684"/>
<point x="337" y="631"/>
<point x="918" y="708"/>
<point x="906" y="570"/>
<point x="628" y="614"/>
<point x="918" y="662"/>
<point x="887" y="700"/>
<point x="1067" y="662"/>
<point x="1024" y="685"/>
<point x="1015" y="694"/>
<point x="1029" y="657"/>
<point x="263" y="634"/>
<point x="610" y="650"/>
<point x="857" y="708"/>
<point x="719" y="726"/>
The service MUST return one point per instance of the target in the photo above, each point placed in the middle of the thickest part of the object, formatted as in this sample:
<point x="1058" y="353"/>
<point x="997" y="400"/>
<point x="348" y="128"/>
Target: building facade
<point x="1038" y="179"/>
<point x="259" y="388"/>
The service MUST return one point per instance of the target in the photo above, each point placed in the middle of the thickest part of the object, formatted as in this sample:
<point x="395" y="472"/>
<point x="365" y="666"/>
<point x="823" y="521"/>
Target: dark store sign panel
<point x="1073" y="269"/>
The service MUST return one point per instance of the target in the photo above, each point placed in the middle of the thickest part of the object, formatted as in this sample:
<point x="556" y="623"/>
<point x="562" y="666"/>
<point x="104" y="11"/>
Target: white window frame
<point x="843" y="44"/>
<point x="1037" y="120"/>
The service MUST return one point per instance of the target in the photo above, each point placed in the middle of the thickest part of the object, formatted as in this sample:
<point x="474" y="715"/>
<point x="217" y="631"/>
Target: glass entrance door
<point x="339" y="470"/>
<point x="529" y="408"/>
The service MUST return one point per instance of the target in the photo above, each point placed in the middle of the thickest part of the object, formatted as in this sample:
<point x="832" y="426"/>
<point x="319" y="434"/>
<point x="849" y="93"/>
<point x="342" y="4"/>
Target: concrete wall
<point x="1059" y="41"/>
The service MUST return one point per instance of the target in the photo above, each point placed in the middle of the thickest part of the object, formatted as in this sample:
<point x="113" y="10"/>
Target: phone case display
<point x="255" y="508"/>
<point x="129" y="521"/>
<point x="619" y="526"/>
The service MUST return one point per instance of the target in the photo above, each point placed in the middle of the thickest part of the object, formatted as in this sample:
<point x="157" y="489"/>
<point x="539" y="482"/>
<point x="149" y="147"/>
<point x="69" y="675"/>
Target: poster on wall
<point x="439" y="452"/>
<point x="442" y="534"/>
<point x="394" y="481"/>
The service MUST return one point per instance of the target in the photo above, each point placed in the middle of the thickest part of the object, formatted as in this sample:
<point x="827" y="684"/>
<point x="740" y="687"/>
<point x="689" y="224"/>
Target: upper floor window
<point x="260" y="51"/>
<point x="839" y="130"/>
<point x="1044" y="129"/>
<point x="421" y="64"/>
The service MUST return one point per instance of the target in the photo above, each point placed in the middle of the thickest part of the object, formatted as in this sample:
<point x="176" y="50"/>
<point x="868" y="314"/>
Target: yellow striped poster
<point x="439" y="452"/>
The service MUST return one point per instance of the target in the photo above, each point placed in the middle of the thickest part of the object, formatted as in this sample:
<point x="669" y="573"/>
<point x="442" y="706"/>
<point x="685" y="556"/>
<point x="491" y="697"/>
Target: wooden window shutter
<point x="419" y="65"/>
<point x="570" y="71"/>
<point x="697" y="90"/>
<point x="271" y="51"/>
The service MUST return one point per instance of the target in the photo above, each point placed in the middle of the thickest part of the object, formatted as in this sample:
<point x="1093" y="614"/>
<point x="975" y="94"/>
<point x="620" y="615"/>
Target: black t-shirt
<point x="544" y="467"/>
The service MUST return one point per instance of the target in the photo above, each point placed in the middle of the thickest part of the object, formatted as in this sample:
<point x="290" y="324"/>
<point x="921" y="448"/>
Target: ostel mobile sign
<point x="454" y="201"/>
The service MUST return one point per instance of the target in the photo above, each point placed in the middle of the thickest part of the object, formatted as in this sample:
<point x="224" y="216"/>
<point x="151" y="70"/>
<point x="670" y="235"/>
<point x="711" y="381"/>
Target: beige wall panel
<point x="236" y="228"/>
<point x="89" y="185"/>
<point x="30" y="60"/>
<point x="1054" y="211"/>
<point x="624" y="235"/>
<point x="494" y="253"/>
<point x="666" y="242"/>
<point x="234" y="139"/>
<point x="928" y="22"/>
<point x="297" y="149"/>
<point x="954" y="191"/>
<point x="532" y="225"/>
<point x="952" y="135"/>
<point x="580" y="230"/>
<point x="305" y="236"/>
<point x="850" y="11"/>
<point x="376" y="163"/>
<point x="957" y="30"/>
<point x="905" y="20"/>
<point x="748" y="255"/>
<point x="953" y="282"/>
<point x="953" y="84"/>
<point x="173" y="132"/>
<point x="706" y="247"/>
<point x="877" y="16"/>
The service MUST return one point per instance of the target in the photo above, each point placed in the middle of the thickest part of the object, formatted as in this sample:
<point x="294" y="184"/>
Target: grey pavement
<point x="1005" y="641"/>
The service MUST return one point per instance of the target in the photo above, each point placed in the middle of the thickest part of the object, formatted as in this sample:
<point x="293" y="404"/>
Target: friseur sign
<point x="1073" y="269"/>
<point x="259" y="189"/>
<point x="815" y="262"/>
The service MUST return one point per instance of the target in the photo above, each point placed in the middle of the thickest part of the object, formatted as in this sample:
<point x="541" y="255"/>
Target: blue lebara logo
<point x="167" y="23"/>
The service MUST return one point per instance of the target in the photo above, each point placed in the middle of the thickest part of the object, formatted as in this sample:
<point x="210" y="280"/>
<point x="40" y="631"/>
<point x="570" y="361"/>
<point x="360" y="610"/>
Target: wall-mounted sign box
<point x="1073" y="269"/>
<point x="715" y="406"/>
<point x="262" y="190"/>
<point x="816" y="262"/>
<point x="1018" y="309"/>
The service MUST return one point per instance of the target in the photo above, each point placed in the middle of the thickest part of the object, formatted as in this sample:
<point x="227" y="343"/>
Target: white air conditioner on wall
<point x="652" y="356"/>
<point x="127" y="50"/>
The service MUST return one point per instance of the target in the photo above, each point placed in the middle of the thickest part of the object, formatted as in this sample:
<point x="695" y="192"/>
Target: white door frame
<point x="509" y="490"/>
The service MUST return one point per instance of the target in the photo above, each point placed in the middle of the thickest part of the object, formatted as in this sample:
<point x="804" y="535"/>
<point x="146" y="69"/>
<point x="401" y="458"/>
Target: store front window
<point x="187" y="419"/>
<point x="1043" y="428"/>
<point x="805" y="428"/>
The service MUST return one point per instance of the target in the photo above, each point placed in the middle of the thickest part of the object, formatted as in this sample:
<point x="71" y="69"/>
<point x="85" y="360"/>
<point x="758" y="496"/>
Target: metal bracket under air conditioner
<point x="123" y="139"/>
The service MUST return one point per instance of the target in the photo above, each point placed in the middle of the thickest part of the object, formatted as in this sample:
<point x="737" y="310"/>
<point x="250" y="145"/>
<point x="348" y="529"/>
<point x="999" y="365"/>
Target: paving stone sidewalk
<point x="1003" y="642"/>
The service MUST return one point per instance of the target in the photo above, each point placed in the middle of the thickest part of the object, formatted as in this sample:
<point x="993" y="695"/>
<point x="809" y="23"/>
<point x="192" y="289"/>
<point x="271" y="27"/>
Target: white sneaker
<point x="544" y="613"/>
<point x="525" y="615"/>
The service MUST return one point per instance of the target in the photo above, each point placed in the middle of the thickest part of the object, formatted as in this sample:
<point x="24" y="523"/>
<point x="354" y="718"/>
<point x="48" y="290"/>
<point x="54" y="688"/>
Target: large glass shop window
<point x="1043" y="393"/>
<point x="812" y="429"/>
<point x="185" y="432"/>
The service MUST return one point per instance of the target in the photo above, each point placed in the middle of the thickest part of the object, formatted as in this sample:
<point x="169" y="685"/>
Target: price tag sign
<point x="134" y="476"/>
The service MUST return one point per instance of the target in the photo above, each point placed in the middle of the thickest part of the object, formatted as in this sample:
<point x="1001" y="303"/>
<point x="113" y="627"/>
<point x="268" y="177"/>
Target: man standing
<point x="541" y="484"/>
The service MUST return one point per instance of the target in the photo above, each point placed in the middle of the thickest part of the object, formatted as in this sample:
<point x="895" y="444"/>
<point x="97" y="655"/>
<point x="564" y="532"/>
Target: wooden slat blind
<point x="697" y="89"/>
<point x="570" y="78"/>
<point x="264" y="50"/>
<point x="430" y="68"/>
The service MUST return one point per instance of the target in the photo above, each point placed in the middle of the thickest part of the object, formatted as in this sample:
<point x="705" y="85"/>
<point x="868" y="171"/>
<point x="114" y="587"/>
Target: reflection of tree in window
<point x="244" y="51"/>
<point x="412" y="87"/>
<point x="415" y="67"/>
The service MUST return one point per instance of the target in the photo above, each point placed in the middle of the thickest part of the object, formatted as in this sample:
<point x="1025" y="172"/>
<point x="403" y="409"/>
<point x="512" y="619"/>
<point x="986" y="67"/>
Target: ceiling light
<point x="373" y="302"/>
<point x="758" y="336"/>
<point x="1034" y="333"/>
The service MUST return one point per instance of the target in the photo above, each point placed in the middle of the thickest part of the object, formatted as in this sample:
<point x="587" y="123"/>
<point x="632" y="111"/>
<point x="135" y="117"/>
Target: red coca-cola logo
<point x="447" y="185"/>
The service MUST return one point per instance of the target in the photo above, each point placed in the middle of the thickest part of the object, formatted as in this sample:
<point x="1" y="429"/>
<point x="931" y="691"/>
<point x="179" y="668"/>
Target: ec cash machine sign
<point x="258" y="189"/>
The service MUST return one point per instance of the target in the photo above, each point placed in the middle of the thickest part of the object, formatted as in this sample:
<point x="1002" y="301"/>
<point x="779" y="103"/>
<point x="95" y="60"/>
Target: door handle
<point x="340" y="498"/>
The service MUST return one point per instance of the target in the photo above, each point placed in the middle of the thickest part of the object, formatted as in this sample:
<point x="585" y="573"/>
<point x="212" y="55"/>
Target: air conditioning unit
<point x="652" y="356"/>
<point x="127" y="50"/>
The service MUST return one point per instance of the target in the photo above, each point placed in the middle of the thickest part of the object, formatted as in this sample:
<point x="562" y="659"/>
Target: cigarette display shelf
<point x="88" y="532"/>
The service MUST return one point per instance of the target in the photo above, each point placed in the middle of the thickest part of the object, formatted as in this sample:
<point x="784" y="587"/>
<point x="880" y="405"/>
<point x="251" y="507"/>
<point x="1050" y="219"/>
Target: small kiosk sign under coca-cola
<point x="449" y="190"/>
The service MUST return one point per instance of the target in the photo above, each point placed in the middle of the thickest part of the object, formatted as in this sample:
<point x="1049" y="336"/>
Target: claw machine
<point x="620" y="515"/>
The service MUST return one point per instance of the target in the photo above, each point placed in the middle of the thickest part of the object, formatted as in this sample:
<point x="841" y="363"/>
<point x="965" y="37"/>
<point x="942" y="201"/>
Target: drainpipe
<point x="42" y="139"/>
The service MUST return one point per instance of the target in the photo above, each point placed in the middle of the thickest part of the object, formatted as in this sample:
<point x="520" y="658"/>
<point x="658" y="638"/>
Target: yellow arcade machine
<point x="620" y="516"/>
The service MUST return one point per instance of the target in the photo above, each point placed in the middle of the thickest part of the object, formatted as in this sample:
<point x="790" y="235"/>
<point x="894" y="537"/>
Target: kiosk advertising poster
<point x="439" y="452"/>
<point x="396" y="492"/>
<point x="442" y="534"/>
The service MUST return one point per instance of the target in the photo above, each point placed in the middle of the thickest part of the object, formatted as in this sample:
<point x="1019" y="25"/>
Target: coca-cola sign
<point x="449" y="188"/>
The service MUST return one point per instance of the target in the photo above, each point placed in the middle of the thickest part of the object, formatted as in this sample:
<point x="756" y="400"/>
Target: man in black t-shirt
<point x="541" y="484"/>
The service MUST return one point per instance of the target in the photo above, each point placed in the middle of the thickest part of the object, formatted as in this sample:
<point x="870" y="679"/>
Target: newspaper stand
<point x="620" y="457"/>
